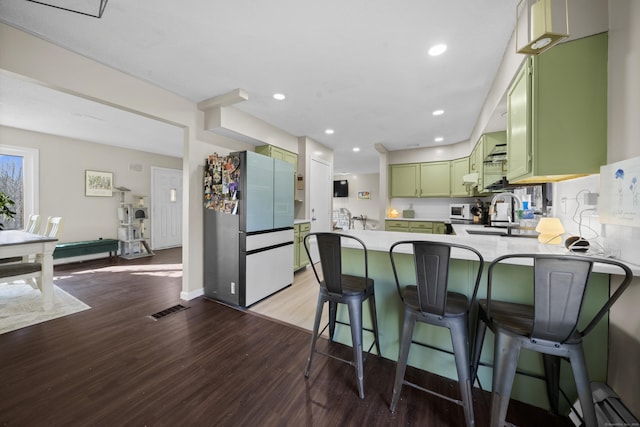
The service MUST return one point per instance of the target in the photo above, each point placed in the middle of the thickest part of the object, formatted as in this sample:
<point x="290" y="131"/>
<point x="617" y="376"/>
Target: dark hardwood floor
<point x="209" y="365"/>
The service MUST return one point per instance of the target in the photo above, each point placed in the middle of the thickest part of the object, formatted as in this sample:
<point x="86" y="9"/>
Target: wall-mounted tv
<point x="341" y="188"/>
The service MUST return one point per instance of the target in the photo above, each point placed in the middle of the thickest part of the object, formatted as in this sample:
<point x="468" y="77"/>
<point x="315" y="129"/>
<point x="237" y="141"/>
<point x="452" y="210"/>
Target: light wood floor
<point x="295" y="305"/>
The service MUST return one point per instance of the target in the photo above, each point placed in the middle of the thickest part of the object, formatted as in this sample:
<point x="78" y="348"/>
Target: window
<point x="19" y="179"/>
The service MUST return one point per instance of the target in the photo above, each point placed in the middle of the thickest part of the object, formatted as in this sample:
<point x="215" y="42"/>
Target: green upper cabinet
<point x="557" y="113"/>
<point x="404" y="180"/>
<point x="435" y="179"/>
<point x="459" y="168"/>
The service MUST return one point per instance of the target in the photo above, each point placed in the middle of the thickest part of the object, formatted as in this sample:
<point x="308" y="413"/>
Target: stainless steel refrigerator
<point x="248" y="227"/>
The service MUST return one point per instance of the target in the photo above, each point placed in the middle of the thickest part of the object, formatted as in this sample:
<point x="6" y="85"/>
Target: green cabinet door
<point x="297" y="243"/>
<point x="300" y="257"/>
<point x="459" y="168"/>
<point x="305" y="229"/>
<point x="435" y="179"/>
<point x="557" y="113"/>
<point x="404" y="180"/>
<point x="439" y="228"/>
<point x="519" y="124"/>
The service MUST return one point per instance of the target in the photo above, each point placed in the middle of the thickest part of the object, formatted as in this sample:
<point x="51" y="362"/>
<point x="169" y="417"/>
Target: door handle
<point x="313" y="214"/>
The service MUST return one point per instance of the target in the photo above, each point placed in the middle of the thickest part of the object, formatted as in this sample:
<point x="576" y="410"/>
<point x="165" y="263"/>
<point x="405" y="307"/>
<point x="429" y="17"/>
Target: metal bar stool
<point x="338" y="288"/>
<point x="429" y="301"/>
<point x="549" y="326"/>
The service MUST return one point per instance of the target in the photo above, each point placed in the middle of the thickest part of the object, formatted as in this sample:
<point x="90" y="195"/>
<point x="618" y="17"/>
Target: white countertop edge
<point x="491" y="247"/>
<point x="428" y="219"/>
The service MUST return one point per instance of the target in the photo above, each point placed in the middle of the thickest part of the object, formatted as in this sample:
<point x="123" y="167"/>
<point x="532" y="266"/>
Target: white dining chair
<point x="33" y="224"/>
<point x="54" y="226"/>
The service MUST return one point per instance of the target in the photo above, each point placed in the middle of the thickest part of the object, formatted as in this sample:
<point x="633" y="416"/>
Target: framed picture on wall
<point x="364" y="195"/>
<point x="98" y="184"/>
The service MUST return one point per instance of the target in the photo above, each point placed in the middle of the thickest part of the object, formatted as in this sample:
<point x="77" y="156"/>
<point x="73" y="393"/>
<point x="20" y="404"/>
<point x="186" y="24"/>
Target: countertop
<point x="300" y="221"/>
<point x="433" y="219"/>
<point x="491" y="247"/>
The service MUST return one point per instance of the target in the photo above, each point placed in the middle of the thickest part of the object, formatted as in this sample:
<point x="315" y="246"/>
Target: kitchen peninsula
<point x="389" y="306"/>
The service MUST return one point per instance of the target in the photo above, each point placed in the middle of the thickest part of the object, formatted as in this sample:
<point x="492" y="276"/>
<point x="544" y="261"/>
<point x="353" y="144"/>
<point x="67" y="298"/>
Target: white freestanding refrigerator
<point x="248" y="226"/>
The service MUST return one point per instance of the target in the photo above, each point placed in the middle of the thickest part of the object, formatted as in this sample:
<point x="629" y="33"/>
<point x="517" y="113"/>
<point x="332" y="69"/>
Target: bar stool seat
<point x="338" y="288"/>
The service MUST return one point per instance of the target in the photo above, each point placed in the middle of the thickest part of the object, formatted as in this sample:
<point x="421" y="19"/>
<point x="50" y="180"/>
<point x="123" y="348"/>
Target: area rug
<point x="21" y="305"/>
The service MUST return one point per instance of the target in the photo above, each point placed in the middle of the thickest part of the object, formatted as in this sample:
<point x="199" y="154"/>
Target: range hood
<point x="470" y="179"/>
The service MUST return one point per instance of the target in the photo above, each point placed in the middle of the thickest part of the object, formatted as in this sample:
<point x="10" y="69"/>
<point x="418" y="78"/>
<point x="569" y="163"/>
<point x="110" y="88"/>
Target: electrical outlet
<point x="233" y="287"/>
<point x="591" y="199"/>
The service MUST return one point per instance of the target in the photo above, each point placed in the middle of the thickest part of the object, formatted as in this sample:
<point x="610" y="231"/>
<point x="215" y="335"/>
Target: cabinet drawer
<point x="305" y="227"/>
<point x="421" y="226"/>
<point x="396" y="226"/>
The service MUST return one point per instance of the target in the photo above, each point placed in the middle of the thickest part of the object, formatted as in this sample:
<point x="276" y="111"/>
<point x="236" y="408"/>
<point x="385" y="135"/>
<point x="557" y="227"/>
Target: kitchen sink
<point x="499" y="231"/>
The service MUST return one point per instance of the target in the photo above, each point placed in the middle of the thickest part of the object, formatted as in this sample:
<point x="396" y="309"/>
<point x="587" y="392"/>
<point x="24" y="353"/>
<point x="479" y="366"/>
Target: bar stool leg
<point x="506" y="353"/>
<point x="408" y="325"/>
<point x="355" y="319"/>
<point x="374" y="319"/>
<point x="314" y="334"/>
<point x="481" y="330"/>
<point x="581" y="377"/>
<point x="460" y="340"/>
<point x="552" y="378"/>
<point x="333" y="309"/>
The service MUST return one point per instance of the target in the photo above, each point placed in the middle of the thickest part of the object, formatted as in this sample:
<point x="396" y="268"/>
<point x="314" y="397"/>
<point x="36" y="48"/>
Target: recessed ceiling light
<point x="329" y="131"/>
<point x="356" y="149"/>
<point x="279" y="96"/>
<point x="438" y="112"/>
<point x="438" y="49"/>
<point x="438" y="139"/>
<point x="541" y="43"/>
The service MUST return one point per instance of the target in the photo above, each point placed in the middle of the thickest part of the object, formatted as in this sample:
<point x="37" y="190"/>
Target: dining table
<point x="18" y="243"/>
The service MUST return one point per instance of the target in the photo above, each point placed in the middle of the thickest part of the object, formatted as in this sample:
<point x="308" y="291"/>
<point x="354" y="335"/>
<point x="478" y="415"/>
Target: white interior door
<point x="166" y="208"/>
<point x="320" y="201"/>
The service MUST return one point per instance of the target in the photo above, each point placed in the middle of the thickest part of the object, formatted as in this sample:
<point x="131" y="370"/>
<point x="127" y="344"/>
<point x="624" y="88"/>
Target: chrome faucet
<point x="510" y="211"/>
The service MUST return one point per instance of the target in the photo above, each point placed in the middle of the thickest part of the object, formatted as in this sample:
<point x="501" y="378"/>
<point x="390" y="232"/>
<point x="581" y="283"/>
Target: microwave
<point x="460" y="211"/>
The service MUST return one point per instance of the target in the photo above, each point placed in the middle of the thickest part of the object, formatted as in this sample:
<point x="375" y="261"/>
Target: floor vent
<point x="164" y="313"/>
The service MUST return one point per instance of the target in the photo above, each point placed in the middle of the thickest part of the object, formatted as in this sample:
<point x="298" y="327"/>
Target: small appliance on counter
<point x="460" y="211"/>
<point x="480" y="212"/>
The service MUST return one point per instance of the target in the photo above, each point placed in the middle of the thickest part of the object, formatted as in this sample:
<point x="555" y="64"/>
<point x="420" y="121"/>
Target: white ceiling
<point x="359" y="67"/>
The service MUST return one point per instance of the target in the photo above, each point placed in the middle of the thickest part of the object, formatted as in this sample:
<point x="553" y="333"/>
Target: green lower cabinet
<point x="300" y="257"/>
<point x="427" y="227"/>
<point x="420" y="227"/>
<point x="389" y="313"/>
<point x="396" y="226"/>
<point x="439" y="228"/>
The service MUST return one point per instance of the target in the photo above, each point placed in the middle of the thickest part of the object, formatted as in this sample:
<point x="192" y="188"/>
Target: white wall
<point x="431" y="154"/>
<point x="358" y="207"/>
<point x="623" y="138"/>
<point x="33" y="58"/>
<point x="309" y="149"/>
<point x="63" y="162"/>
